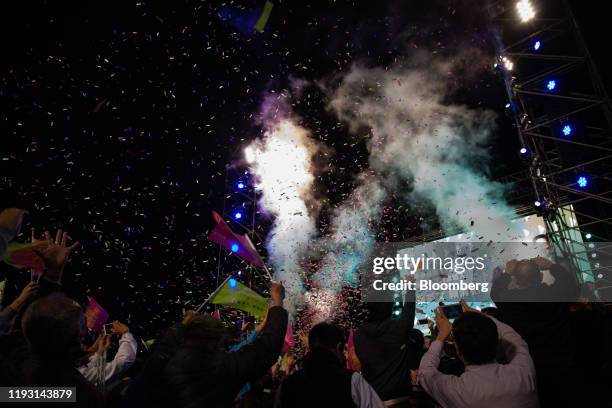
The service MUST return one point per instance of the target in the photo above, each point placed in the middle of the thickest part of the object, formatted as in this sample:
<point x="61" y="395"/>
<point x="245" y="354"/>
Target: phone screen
<point x="452" y="311"/>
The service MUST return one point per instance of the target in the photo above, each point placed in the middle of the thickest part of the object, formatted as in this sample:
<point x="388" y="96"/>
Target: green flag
<point x="265" y="15"/>
<point x="234" y="294"/>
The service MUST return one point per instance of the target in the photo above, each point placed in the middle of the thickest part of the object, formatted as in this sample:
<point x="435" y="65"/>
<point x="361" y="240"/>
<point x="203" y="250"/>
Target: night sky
<point x="120" y="116"/>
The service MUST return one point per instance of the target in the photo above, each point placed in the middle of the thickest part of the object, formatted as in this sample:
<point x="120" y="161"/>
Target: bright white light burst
<point x="525" y="10"/>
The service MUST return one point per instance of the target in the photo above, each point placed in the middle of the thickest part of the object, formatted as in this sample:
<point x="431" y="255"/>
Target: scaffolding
<point x="241" y="199"/>
<point x="563" y="118"/>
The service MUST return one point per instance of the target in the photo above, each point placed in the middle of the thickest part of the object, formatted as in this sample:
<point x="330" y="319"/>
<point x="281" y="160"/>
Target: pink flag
<point x="240" y="245"/>
<point x="216" y="314"/>
<point x="350" y="351"/>
<point x="95" y="314"/>
<point x="23" y="256"/>
<point x="289" y="341"/>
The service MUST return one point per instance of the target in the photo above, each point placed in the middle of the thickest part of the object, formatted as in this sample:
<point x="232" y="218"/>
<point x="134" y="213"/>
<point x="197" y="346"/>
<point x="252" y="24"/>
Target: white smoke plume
<point x="349" y="244"/>
<point x="282" y="163"/>
<point x="417" y="135"/>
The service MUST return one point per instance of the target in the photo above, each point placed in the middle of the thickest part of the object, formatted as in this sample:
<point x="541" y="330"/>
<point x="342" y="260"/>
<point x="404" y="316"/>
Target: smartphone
<point x="107" y="329"/>
<point x="423" y="321"/>
<point x="452" y="311"/>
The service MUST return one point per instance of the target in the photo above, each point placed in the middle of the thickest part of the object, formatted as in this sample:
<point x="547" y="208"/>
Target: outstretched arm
<point x="254" y="359"/>
<point x="444" y="388"/>
<point x="408" y="311"/>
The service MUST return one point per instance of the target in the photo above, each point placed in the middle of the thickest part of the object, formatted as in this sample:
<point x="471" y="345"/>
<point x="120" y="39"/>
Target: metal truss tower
<point x="240" y="212"/>
<point x="563" y="117"/>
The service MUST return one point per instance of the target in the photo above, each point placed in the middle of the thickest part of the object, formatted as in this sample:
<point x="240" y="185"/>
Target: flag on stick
<point x="289" y="342"/>
<point x="20" y="256"/>
<point x="350" y="351"/>
<point x="95" y="315"/>
<point x="240" y="245"/>
<point x="234" y="294"/>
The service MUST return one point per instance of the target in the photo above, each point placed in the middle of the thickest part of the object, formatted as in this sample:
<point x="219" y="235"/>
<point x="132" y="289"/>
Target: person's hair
<point x="492" y="311"/>
<point x="325" y="335"/>
<point x="54" y="327"/>
<point x="379" y="311"/>
<point x="476" y="338"/>
<point x="527" y="273"/>
<point x="205" y="330"/>
<point x="416" y="337"/>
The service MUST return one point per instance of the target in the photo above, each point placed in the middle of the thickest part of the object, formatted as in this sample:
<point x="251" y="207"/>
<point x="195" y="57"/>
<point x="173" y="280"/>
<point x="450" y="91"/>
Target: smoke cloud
<point x="417" y="135"/>
<point x="282" y="163"/>
<point x="349" y="244"/>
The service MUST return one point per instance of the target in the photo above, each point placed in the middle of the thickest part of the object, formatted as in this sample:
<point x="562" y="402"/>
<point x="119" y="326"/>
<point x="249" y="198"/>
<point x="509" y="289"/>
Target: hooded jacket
<point x="387" y="353"/>
<point x="180" y="374"/>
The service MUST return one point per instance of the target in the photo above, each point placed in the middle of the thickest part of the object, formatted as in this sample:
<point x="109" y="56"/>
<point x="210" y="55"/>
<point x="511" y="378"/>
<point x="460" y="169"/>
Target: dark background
<point x="119" y="117"/>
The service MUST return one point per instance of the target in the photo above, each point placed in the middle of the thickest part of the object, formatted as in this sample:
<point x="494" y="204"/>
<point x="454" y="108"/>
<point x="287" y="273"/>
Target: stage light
<point x="537" y="203"/>
<point x="397" y="313"/>
<point x="525" y="10"/>
<point x="233" y="283"/>
<point x="507" y="63"/>
<point x="551" y="85"/>
<point x="567" y="130"/>
<point x="235" y="247"/>
<point x="240" y="185"/>
<point x="237" y="215"/>
<point x="536" y="45"/>
<point x="523" y="150"/>
<point x="582" y="181"/>
<point x="588" y="235"/>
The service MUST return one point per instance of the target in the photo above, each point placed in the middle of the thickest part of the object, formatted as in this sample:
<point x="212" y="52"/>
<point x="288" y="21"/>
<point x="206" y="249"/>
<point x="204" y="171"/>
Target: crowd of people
<point x="520" y="353"/>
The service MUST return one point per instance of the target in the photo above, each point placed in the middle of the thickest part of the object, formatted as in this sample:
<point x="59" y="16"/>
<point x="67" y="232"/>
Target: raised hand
<point x="443" y="324"/>
<point x="466" y="308"/>
<point x="187" y="317"/>
<point x="119" y="328"/>
<point x="25" y="296"/>
<point x="55" y="253"/>
<point x="277" y="293"/>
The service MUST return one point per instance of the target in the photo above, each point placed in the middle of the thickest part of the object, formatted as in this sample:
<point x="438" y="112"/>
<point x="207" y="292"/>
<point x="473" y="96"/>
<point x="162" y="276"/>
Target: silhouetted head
<point x="327" y="336"/>
<point x="475" y="337"/>
<point x="206" y="331"/>
<point x="379" y="311"/>
<point x="54" y="327"/>
<point x="492" y="311"/>
<point x="527" y="274"/>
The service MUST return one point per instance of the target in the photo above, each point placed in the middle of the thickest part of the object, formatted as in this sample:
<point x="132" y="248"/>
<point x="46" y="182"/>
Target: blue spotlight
<point x="240" y="185"/>
<point x="237" y="215"/>
<point x="523" y="150"/>
<point x="235" y="247"/>
<point x="232" y="283"/>
<point x="537" y="203"/>
<point x="567" y="130"/>
<point x="536" y="45"/>
<point x="551" y="85"/>
<point x="582" y="182"/>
